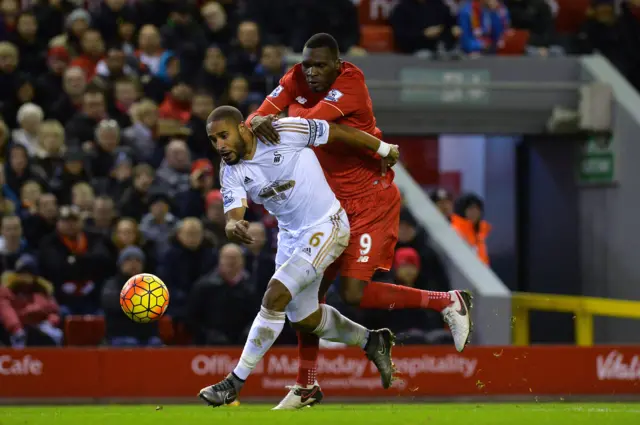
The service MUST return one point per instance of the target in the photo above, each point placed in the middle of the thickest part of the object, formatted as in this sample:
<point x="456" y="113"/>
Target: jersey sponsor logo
<point x="301" y="100"/>
<point x="227" y="199"/>
<point x="277" y="191"/>
<point x="333" y="95"/>
<point x="276" y="91"/>
<point x="277" y="158"/>
<point x="247" y="180"/>
<point x="363" y="259"/>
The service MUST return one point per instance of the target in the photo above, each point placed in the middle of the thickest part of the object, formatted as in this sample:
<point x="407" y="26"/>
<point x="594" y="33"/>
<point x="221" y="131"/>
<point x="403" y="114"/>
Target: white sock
<point x="264" y="331"/>
<point x="337" y="328"/>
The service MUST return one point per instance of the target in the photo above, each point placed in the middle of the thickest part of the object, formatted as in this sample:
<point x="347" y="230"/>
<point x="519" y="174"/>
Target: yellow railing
<point x="584" y="308"/>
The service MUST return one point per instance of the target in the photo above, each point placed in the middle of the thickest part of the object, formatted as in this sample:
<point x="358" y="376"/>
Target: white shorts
<point x="301" y="262"/>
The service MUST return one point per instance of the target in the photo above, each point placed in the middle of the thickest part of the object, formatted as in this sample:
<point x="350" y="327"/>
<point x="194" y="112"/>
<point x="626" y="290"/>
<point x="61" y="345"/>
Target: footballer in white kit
<point x="288" y="181"/>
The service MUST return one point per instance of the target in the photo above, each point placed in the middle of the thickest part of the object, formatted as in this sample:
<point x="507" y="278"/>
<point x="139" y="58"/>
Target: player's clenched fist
<point x="238" y="231"/>
<point x="263" y="128"/>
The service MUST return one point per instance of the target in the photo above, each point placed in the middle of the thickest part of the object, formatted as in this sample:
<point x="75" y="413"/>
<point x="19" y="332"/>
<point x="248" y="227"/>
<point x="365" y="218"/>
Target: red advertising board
<point x="424" y="371"/>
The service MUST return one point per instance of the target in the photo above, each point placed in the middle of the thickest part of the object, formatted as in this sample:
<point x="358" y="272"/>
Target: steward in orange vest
<point x="468" y="222"/>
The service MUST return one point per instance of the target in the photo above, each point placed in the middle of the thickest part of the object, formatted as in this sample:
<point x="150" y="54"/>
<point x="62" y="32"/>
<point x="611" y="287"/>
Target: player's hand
<point x="239" y="232"/>
<point x="263" y="128"/>
<point x="434" y="31"/>
<point x="390" y="160"/>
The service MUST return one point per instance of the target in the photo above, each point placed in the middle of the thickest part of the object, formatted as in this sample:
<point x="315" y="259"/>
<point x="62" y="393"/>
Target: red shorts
<point x="374" y="224"/>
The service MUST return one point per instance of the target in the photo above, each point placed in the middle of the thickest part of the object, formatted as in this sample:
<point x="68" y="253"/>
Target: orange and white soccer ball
<point x="144" y="298"/>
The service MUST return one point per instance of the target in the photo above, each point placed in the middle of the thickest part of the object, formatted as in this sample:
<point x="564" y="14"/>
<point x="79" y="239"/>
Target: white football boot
<point x="458" y="316"/>
<point x="299" y="397"/>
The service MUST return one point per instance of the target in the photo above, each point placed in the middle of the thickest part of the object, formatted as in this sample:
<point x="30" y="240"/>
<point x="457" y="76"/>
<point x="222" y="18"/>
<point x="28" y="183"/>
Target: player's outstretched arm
<point x="357" y="138"/>
<point x="237" y="228"/>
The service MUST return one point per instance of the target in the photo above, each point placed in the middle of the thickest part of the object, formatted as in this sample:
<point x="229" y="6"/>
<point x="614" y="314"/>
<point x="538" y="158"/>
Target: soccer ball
<point x="144" y="298"/>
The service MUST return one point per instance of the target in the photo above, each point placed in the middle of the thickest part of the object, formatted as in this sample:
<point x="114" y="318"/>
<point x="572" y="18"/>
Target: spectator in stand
<point x="76" y="24"/>
<point x="239" y="96"/>
<point x="127" y="233"/>
<point x="105" y="150"/>
<point x="12" y="244"/>
<point x="201" y="106"/>
<point x="43" y="222"/>
<point x="177" y="103"/>
<point x="245" y="52"/>
<point x="20" y="169"/>
<point x="106" y="18"/>
<point x="127" y="39"/>
<point x="72" y="171"/>
<point x="12" y="82"/>
<point x="433" y="275"/>
<point x="192" y="203"/>
<point x="183" y="37"/>
<point x="103" y="216"/>
<point x="150" y="49"/>
<point x="213" y="76"/>
<point x="74" y="85"/>
<point x="112" y="68"/>
<point x="126" y="92"/>
<point x="158" y="224"/>
<point x="120" y="330"/>
<point x="174" y="171"/>
<point x="29" y="119"/>
<point x="4" y="143"/>
<point x="29" y="194"/>
<point x="49" y="84"/>
<point x="157" y="86"/>
<point x="190" y="256"/>
<point x="424" y="26"/>
<point x="83" y="197"/>
<point x="214" y="221"/>
<point x="274" y="19"/>
<point x="9" y="12"/>
<point x="223" y="302"/>
<point x="80" y="129"/>
<point x="266" y="76"/>
<point x="135" y="200"/>
<point x="28" y="311"/>
<point x="260" y="261"/>
<point x="536" y="17"/>
<point x="629" y="27"/>
<point x="76" y="262"/>
<point x="469" y="224"/>
<point x="31" y="47"/>
<point x="216" y="25"/>
<point x="601" y="32"/>
<point x="119" y="179"/>
<point x="93" y="49"/>
<point x="140" y="135"/>
<point x="484" y="24"/>
<point x="338" y="18"/>
<point x="51" y="16"/>
<point x="443" y="201"/>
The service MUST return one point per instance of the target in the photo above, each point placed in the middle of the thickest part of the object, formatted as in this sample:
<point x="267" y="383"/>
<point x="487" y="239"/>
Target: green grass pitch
<point x="331" y="414"/>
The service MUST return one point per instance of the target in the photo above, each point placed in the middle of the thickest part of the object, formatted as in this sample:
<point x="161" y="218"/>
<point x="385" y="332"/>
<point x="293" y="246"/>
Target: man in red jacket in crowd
<point x="324" y="87"/>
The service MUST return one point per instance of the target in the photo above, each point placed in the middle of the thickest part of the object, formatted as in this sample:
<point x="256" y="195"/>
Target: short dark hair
<point x="323" y="39"/>
<point x="225" y="113"/>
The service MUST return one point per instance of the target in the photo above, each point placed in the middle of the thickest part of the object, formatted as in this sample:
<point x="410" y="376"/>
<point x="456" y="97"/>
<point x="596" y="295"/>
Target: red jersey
<point x="351" y="172"/>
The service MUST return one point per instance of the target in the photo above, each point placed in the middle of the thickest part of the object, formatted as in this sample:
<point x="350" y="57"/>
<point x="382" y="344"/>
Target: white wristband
<point x="384" y="149"/>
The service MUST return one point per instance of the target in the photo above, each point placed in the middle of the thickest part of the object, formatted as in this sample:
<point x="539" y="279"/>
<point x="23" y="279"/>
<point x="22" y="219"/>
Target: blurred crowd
<point x="106" y="170"/>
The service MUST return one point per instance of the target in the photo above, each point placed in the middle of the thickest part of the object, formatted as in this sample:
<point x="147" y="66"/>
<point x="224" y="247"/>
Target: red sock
<point x="388" y="296"/>
<point x="308" y="347"/>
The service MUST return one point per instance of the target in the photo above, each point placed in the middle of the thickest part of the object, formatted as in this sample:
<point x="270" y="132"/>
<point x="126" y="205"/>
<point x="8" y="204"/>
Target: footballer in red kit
<point x="324" y="87"/>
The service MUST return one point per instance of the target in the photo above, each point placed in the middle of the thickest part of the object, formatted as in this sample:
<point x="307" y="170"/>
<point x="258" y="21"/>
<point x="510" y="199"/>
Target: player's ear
<point x="242" y="128"/>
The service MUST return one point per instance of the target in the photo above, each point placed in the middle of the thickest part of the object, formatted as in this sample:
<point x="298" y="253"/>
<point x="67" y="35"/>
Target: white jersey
<point x="286" y="178"/>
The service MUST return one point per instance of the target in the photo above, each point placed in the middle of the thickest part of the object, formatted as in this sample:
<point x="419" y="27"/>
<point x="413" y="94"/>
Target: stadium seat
<point x="376" y="38"/>
<point x="84" y="330"/>
<point x="571" y="15"/>
<point x="515" y="43"/>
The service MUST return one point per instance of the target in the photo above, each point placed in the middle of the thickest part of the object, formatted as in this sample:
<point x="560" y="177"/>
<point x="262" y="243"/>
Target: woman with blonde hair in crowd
<point x="83" y="196"/>
<point x="29" y="119"/>
<point x="52" y="147"/>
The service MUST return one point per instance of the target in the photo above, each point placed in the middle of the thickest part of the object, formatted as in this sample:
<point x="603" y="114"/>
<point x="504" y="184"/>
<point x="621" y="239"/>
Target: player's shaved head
<point x="321" y="62"/>
<point x="224" y="113"/>
<point x="323" y="39"/>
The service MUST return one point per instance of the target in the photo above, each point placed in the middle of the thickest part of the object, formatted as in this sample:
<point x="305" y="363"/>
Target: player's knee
<point x="308" y="324"/>
<point x="351" y="291"/>
<point x="276" y="297"/>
